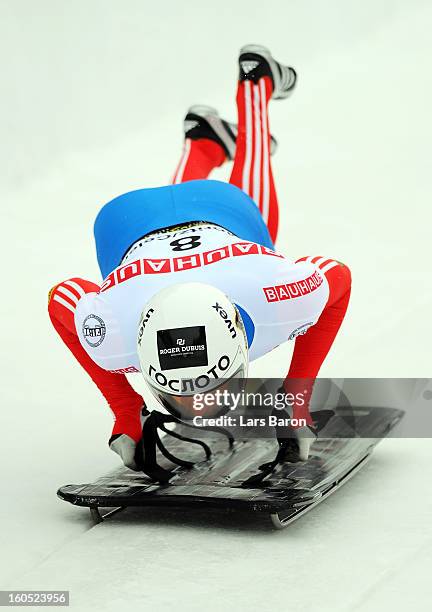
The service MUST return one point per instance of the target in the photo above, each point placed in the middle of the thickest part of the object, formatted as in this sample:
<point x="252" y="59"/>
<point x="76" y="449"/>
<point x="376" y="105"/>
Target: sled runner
<point x="244" y="475"/>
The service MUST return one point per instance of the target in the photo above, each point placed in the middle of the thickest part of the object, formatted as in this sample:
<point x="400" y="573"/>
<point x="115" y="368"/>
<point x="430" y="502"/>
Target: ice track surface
<point x="92" y="106"/>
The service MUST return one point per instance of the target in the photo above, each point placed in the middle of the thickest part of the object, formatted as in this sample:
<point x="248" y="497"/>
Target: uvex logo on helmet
<point x="223" y="315"/>
<point x="144" y="319"/>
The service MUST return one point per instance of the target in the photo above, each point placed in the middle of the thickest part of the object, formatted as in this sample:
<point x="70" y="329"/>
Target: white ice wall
<point x="92" y="99"/>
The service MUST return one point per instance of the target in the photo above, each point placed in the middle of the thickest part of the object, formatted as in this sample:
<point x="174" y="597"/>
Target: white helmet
<point x="191" y="339"/>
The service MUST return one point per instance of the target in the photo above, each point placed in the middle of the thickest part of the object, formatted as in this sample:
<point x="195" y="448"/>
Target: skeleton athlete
<point x="193" y="287"/>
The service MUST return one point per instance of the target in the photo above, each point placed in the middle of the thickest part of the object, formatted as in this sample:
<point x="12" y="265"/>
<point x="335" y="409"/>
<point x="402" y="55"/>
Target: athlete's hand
<point x="296" y="447"/>
<point x="124" y="446"/>
<point x="305" y="437"/>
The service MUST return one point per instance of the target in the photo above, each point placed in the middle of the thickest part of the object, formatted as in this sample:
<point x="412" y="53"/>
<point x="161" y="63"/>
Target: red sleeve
<point x="311" y="349"/>
<point x="125" y="403"/>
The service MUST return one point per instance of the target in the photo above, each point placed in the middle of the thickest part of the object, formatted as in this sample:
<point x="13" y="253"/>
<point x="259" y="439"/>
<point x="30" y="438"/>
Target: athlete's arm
<point x="312" y="348"/>
<point x="125" y="403"/>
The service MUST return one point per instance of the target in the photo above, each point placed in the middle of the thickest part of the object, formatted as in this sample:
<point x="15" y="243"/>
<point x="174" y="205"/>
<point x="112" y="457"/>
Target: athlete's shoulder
<point x="106" y="335"/>
<point x="90" y="314"/>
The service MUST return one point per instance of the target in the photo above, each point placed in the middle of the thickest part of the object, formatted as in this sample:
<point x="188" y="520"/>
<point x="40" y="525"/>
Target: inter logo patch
<point x="93" y="330"/>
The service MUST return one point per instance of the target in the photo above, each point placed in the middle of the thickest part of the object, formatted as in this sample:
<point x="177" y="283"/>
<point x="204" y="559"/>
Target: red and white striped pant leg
<point x="252" y="170"/>
<point x="198" y="159"/>
<point x="124" y="402"/>
<point x="311" y="349"/>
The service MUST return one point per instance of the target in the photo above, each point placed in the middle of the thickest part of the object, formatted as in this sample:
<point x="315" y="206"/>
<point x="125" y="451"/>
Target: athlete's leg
<point x="125" y="403"/>
<point x="209" y="141"/>
<point x="260" y="79"/>
<point x="311" y="349"/>
<point x="198" y="159"/>
<point x="252" y="170"/>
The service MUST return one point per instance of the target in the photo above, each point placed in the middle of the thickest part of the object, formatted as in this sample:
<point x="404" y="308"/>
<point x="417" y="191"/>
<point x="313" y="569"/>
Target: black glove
<point x="295" y="444"/>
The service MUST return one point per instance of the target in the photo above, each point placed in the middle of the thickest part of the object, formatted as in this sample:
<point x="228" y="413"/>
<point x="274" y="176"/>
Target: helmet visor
<point x="207" y="403"/>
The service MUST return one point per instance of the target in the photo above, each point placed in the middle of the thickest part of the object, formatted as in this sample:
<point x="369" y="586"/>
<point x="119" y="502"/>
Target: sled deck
<point x="232" y="479"/>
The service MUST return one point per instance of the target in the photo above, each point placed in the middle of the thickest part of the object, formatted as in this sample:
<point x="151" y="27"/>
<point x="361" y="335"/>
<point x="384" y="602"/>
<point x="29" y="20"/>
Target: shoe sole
<point x="266" y="54"/>
<point x="221" y="127"/>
